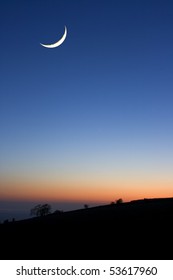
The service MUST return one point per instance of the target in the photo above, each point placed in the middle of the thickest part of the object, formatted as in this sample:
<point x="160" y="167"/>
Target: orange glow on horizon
<point x="91" y="191"/>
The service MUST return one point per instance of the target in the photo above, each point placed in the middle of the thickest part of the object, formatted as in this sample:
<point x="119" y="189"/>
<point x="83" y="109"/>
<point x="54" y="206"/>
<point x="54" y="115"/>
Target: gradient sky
<point x="92" y="119"/>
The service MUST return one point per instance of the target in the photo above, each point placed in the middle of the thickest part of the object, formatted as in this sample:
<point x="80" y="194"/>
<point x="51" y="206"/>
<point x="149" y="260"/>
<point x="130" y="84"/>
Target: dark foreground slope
<point x="134" y="230"/>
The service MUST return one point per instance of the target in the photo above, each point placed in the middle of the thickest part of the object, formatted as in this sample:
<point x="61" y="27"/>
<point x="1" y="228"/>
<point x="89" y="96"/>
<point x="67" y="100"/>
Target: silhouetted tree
<point x="119" y="201"/>
<point x="41" y="210"/>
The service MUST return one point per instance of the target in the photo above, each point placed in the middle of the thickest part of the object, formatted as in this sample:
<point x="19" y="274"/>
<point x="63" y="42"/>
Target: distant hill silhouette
<point x="140" y="229"/>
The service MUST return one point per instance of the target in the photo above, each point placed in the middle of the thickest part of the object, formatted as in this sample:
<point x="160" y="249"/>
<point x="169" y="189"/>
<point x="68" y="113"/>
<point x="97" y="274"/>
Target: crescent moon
<point x="58" y="43"/>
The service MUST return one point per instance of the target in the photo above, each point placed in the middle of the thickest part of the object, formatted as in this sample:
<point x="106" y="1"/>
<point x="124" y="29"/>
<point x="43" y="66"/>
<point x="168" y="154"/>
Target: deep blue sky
<point x="99" y="107"/>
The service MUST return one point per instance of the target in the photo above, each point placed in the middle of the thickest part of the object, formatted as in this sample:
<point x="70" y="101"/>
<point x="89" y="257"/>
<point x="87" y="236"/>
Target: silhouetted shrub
<point x="119" y="201"/>
<point x="86" y="206"/>
<point x="58" y="211"/>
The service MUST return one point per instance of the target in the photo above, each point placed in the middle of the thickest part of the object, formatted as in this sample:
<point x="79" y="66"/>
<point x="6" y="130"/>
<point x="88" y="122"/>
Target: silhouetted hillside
<point x="139" y="229"/>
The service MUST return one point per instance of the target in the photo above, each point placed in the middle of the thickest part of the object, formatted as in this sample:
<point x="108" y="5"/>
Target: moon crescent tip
<point x="58" y="43"/>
